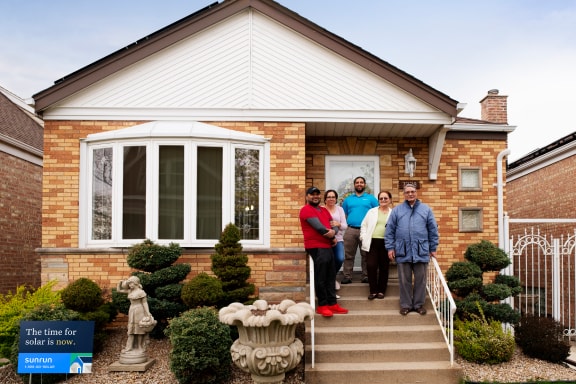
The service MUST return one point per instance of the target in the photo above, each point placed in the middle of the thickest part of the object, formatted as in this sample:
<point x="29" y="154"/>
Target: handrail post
<point x="313" y="304"/>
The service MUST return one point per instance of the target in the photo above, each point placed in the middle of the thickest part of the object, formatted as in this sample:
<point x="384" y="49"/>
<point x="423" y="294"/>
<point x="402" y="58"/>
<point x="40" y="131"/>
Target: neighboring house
<point x="539" y="186"/>
<point x="21" y="139"/>
<point x="541" y="198"/>
<point x="227" y="115"/>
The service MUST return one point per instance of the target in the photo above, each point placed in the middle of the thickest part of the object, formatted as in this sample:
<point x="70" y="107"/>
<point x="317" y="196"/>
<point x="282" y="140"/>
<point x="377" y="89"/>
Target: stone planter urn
<point x="267" y="346"/>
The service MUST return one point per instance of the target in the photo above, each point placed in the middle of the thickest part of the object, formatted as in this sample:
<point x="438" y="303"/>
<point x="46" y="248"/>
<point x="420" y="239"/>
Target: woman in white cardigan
<point x="372" y="237"/>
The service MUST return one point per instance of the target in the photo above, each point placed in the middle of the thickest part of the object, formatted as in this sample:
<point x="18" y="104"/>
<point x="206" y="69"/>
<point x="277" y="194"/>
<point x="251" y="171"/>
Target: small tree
<point x="161" y="280"/>
<point x="465" y="279"/>
<point x="230" y="265"/>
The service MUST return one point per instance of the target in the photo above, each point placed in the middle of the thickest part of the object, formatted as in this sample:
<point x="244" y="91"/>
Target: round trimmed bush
<point x="82" y="295"/>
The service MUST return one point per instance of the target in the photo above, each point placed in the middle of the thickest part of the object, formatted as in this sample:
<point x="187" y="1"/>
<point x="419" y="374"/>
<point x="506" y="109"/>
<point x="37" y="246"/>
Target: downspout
<point x="500" y="192"/>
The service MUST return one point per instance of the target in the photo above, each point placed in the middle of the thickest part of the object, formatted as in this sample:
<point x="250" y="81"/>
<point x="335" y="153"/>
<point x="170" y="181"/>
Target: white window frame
<point x="199" y="135"/>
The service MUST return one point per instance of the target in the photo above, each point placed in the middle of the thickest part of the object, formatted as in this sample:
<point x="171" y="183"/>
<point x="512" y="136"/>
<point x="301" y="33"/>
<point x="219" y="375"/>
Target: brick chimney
<point x="494" y="107"/>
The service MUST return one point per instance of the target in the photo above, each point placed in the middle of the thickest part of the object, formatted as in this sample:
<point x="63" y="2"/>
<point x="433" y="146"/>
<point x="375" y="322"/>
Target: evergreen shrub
<point x="202" y="291"/>
<point x="200" y="347"/>
<point x="541" y="338"/>
<point x="484" y="342"/>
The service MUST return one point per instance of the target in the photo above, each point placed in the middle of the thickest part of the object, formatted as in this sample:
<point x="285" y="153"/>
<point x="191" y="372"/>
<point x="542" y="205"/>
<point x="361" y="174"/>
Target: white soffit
<point x="248" y="67"/>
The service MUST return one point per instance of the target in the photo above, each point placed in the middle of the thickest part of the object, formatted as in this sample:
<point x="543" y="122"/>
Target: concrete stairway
<point x="374" y="344"/>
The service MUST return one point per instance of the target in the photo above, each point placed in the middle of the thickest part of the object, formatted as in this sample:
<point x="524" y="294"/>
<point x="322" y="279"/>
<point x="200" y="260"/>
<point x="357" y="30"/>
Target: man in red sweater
<point x="319" y="238"/>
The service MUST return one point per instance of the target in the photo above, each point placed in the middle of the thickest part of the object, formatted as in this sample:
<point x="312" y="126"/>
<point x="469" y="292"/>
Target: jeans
<point x="338" y="255"/>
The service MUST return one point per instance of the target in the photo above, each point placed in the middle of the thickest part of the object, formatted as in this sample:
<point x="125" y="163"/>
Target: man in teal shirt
<point x="355" y="207"/>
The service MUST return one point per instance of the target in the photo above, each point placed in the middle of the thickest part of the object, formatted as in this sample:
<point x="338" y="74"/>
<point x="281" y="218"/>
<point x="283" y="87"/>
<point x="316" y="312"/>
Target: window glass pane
<point x="102" y="194"/>
<point x="470" y="178"/>
<point x="134" y="193"/>
<point x="247" y="192"/>
<point x="209" y="193"/>
<point x="171" y="192"/>
<point x="471" y="220"/>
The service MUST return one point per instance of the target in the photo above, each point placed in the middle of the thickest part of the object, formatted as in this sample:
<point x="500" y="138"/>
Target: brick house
<point x="537" y="187"/>
<point x="20" y="193"/>
<point x="540" y="193"/>
<point x="226" y="116"/>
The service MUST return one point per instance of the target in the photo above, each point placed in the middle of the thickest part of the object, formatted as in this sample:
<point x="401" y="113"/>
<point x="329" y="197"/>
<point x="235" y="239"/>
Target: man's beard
<point x="360" y="189"/>
<point x="313" y="203"/>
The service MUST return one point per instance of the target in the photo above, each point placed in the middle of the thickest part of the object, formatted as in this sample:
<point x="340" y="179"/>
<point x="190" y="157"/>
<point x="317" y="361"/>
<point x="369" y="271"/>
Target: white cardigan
<point x="368" y="225"/>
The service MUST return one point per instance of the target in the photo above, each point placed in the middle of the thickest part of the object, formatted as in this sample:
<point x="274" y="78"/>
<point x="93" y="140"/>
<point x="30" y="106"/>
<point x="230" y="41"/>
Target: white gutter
<point x="500" y="192"/>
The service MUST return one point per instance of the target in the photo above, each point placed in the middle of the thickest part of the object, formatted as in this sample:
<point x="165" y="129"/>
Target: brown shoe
<point x="404" y="311"/>
<point x="421" y="311"/>
<point x="371" y="296"/>
<point x="380" y="295"/>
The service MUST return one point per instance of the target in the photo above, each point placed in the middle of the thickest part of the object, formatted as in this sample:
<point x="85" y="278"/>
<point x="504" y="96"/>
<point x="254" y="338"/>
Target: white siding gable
<point x="248" y="67"/>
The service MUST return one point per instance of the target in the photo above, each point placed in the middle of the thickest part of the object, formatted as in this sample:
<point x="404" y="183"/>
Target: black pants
<point x="378" y="266"/>
<point x="324" y="275"/>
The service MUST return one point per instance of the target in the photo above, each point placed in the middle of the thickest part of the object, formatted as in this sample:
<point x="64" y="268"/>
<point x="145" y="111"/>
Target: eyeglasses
<point x="383" y="199"/>
<point x="330" y="197"/>
<point x="409" y="192"/>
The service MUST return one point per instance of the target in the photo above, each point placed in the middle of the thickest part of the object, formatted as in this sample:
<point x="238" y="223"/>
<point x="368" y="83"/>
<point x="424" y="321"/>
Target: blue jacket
<point x="412" y="232"/>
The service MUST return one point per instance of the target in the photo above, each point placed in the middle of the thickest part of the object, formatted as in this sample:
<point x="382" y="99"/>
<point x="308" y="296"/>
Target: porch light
<point x="409" y="163"/>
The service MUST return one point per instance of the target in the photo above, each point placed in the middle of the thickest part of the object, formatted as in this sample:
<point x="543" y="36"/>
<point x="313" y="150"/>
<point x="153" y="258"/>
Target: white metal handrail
<point x="444" y="305"/>
<point x="313" y="304"/>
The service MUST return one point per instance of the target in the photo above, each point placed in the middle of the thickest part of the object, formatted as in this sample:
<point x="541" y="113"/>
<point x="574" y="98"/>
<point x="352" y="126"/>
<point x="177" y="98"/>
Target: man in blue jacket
<point x="411" y="238"/>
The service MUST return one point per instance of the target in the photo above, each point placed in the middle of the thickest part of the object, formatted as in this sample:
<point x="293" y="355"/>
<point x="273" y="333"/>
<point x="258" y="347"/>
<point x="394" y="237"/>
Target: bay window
<point x="172" y="182"/>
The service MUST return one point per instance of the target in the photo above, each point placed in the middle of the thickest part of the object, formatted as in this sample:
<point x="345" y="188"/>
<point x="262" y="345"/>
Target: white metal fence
<point x="546" y="267"/>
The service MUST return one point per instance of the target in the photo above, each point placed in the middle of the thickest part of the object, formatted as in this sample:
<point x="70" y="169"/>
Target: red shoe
<point x="337" y="309"/>
<point x="324" y="310"/>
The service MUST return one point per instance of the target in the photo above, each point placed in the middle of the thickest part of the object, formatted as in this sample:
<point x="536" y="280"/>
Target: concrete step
<point x="361" y="318"/>
<point x="373" y="343"/>
<point x="376" y="334"/>
<point x="379" y="352"/>
<point x="429" y="372"/>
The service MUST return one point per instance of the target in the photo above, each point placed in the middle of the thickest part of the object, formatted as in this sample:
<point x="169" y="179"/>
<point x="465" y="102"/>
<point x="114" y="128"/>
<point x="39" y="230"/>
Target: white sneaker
<point x="337" y="285"/>
<point x="337" y="296"/>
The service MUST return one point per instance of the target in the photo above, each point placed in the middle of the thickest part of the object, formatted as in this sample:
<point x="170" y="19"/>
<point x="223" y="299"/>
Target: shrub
<point x="150" y="257"/>
<point x="202" y="291"/>
<point x="541" y="338"/>
<point x="14" y="306"/>
<point x="86" y="297"/>
<point x="200" y="347"/>
<point x="466" y="280"/>
<point x="482" y="341"/>
<point x="82" y="295"/>
<point x="230" y="265"/>
<point x="487" y="256"/>
<point x="160" y="279"/>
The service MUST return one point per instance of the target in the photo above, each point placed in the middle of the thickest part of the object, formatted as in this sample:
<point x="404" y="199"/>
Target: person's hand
<point x="391" y="255"/>
<point x="334" y="223"/>
<point x="433" y="254"/>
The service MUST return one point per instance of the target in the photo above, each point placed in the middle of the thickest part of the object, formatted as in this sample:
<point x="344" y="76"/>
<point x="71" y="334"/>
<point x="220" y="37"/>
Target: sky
<point x="524" y="48"/>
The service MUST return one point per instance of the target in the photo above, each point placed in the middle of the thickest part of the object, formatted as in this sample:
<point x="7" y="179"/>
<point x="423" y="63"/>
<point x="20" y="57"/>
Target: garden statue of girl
<point x="140" y="321"/>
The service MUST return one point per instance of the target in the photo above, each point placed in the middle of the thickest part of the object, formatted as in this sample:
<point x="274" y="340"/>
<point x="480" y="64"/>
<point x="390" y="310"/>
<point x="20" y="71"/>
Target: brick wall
<point x="296" y="162"/>
<point x="20" y="232"/>
<point x="282" y="267"/>
<point x="546" y="193"/>
<point x="442" y="195"/>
